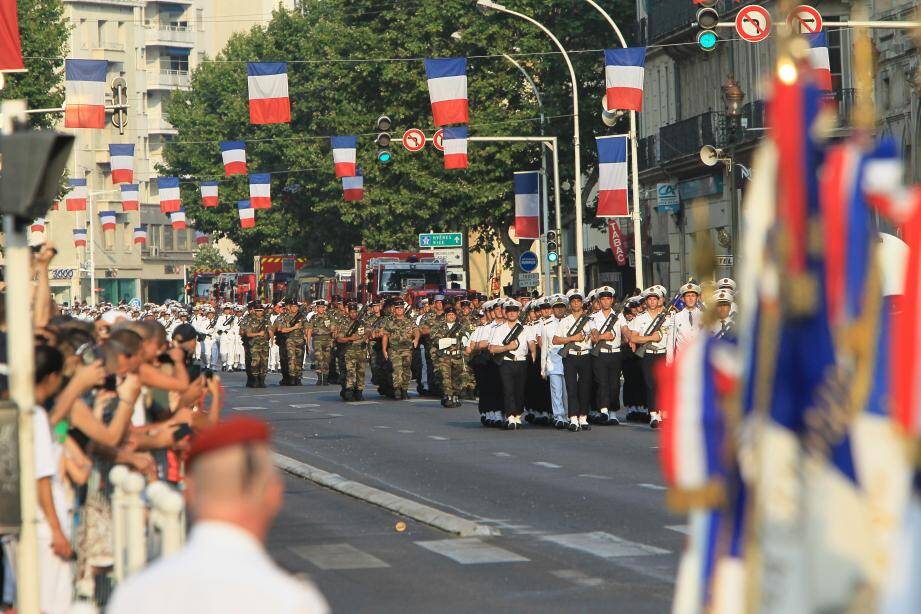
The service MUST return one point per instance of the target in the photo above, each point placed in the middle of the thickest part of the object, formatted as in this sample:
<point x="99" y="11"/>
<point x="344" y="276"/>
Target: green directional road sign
<point x="441" y="239"/>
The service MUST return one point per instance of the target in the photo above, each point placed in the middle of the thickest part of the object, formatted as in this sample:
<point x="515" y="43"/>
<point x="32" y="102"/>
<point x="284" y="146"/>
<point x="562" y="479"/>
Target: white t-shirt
<point x="597" y="323"/>
<point x="47" y="465"/>
<point x="565" y="325"/>
<point x="553" y="363"/>
<point x="500" y="332"/>
<point x="640" y="323"/>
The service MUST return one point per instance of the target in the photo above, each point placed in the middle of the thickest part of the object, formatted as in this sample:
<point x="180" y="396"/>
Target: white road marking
<point x="577" y="577"/>
<point x="502" y="454"/>
<point x="406" y="431"/>
<point x="547" y="465"/>
<point x="338" y="556"/>
<point x="247" y="408"/>
<point x="363" y="402"/>
<point x="303" y="405"/>
<point x="603" y="545"/>
<point x="679" y="528"/>
<point x="380" y="426"/>
<point x="652" y="486"/>
<point x="592" y="476"/>
<point x="471" y="551"/>
<point x="438" y="438"/>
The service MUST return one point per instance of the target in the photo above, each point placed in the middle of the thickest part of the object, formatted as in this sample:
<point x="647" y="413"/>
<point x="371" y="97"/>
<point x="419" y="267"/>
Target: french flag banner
<point x="353" y="188"/>
<point x="10" y="42"/>
<point x="170" y="200"/>
<point x="79" y="237"/>
<point x="818" y="58"/>
<point x="121" y="160"/>
<point x="76" y="197"/>
<point x="247" y="214"/>
<point x="107" y="218"/>
<point x="527" y="204"/>
<point x="38" y="225"/>
<point x="140" y="235"/>
<point x="624" y="71"/>
<point x="344" y="153"/>
<point x="268" y="93"/>
<point x="201" y="238"/>
<point x="177" y="219"/>
<point x="447" y="81"/>
<point x="209" y="193"/>
<point x="260" y="188"/>
<point x="130" y="200"/>
<point x="85" y="93"/>
<point x="455" y="144"/>
<point x="612" y="176"/>
<point x="233" y="154"/>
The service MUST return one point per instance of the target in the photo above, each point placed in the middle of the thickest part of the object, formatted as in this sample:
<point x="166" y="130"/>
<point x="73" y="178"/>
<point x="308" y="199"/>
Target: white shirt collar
<point x="227" y="536"/>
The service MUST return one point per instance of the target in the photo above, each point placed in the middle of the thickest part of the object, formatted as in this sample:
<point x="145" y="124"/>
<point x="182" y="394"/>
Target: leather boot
<point x="357" y="394"/>
<point x="260" y="383"/>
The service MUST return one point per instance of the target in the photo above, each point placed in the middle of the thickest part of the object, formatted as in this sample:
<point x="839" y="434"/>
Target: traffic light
<point x="707" y="19"/>
<point x="384" y="155"/>
<point x="553" y="246"/>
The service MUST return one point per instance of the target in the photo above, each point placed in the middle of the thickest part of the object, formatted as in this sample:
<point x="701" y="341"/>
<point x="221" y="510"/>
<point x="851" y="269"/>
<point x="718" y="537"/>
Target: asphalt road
<point x="582" y="515"/>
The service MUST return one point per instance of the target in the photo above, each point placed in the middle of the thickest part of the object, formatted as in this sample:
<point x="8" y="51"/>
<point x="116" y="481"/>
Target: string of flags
<point x="233" y="154"/>
<point x="130" y="199"/>
<point x="246" y="213"/>
<point x="121" y="162"/>
<point x="79" y="237"/>
<point x="209" y="193"/>
<point x="140" y="235"/>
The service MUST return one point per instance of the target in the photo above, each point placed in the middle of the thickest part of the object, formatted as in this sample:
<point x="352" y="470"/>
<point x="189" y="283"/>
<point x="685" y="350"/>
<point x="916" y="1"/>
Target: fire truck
<point x="273" y="274"/>
<point x="394" y="273"/>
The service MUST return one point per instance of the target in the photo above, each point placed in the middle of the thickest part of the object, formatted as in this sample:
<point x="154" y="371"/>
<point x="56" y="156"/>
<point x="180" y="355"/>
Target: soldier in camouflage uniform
<point x="401" y="335"/>
<point x="291" y="325"/>
<point x="425" y="324"/>
<point x="255" y="330"/>
<point x="340" y="317"/>
<point x="380" y="368"/>
<point x="449" y="342"/>
<point x="353" y="337"/>
<point x="320" y="333"/>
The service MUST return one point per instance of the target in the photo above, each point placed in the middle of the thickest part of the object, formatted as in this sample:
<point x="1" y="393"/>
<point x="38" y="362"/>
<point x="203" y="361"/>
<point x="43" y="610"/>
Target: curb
<point x="417" y="511"/>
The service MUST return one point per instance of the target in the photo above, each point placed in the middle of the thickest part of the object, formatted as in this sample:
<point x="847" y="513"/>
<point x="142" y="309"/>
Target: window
<point x="834" y="55"/>
<point x="101" y="31"/>
<point x="154" y="235"/>
<point x="127" y="237"/>
<point x="182" y="240"/>
<point x="174" y="62"/>
<point x="167" y="238"/>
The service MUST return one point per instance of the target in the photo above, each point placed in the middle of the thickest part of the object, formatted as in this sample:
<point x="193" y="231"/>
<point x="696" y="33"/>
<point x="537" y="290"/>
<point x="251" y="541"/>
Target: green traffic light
<point x="707" y="40"/>
<point x="384" y="157"/>
<point x="553" y="257"/>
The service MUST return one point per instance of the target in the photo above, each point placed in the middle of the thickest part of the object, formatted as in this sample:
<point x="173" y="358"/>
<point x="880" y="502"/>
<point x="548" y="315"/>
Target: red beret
<point x="236" y="431"/>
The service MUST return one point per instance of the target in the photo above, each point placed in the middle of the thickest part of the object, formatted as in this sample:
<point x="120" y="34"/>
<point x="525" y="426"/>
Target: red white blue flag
<point x="209" y="193"/>
<point x="79" y="237"/>
<point x="247" y="214"/>
<point x="140" y="235"/>
<point x="353" y="188"/>
<point x="455" y="144"/>
<point x="177" y="219"/>
<point x="10" y="43"/>
<point x="624" y="71"/>
<point x="107" y="219"/>
<point x="76" y="197"/>
<point x="818" y="58"/>
<point x="344" y="154"/>
<point x="85" y="93"/>
<point x="170" y="200"/>
<point x="121" y="161"/>
<point x="447" y="81"/>
<point x="130" y="199"/>
<point x="268" y="93"/>
<point x="233" y="154"/>
<point x="612" y="176"/>
<point x="527" y="204"/>
<point x="201" y="238"/>
<point x="38" y="225"/>
<point x="260" y="191"/>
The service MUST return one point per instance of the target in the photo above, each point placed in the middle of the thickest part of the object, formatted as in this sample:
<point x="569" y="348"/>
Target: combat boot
<point x="250" y="381"/>
<point x="347" y="395"/>
<point x="260" y="383"/>
<point x="446" y="402"/>
<point x="357" y="395"/>
<point x="457" y="401"/>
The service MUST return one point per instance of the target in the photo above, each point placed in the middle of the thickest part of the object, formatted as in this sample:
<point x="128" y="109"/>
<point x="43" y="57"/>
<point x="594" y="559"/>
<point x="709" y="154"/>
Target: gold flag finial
<point x="863" y="118"/>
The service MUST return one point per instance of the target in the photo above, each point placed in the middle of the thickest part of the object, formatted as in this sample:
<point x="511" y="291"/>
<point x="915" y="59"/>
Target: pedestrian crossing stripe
<point x="471" y="551"/>
<point x="603" y="545"/>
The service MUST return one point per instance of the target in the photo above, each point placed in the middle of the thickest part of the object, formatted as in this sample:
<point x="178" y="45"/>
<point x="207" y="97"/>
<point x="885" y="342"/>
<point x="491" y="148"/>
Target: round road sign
<point x="527" y="261"/>
<point x="805" y="19"/>
<point x="413" y="140"/>
<point x="438" y="140"/>
<point x="753" y="23"/>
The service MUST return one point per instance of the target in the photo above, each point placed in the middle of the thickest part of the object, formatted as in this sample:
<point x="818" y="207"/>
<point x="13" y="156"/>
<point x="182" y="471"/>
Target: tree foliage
<point x="43" y="31"/>
<point x="332" y="93"/>
<point x="209" y="258"/>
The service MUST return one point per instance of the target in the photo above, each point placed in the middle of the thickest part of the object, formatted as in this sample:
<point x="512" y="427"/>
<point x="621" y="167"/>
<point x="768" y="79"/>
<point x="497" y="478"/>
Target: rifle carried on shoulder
<point x="576" y="327"/>
<point x="357" y="323"/>
<point x="607" y="327"/>
<point x="656" y="324"/>
<point x="511" y="336"/>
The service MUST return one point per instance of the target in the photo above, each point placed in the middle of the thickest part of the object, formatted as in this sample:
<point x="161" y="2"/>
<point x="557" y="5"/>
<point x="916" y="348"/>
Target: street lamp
<point x="733" y="96"/>
<point x="485" y="5"/>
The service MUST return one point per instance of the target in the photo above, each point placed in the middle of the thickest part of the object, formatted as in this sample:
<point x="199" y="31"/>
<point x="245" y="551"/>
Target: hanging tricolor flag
<point x="76" y="197"/>
<point x="344" y="153"/>
<point x="201" y="238"/>
<point x="79" y="237"/>
<point x="268" y="93"/>
<point x="140" y="235"/>
<point x="247" y="214"/>
<point x="209" y="193"/>
<point x="818" y="58"/>
<point x="260" y="191"/>
<point x="10" y="44"/>
<point x="85" y="93"/>
<point x="527" y="204"/>
<point x="455" y="144"/>
<point x="177" y="219"/>
<point x="107" y="219"/>
<point x="353" y="188"/>
<point x="38" y="225"/>
<point x="612" y="176"/>
<point x="624" y="71"/>
<point x="447" y="80"/>
<point x="130" y="199"/>
<point x="170" y="201"/>
<point x="233" y="154"/>
<point x="121" y="160"/>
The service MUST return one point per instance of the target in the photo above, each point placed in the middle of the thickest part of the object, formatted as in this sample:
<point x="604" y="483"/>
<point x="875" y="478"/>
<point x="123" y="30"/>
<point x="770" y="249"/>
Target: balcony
<point x="169" y="35"/>
<point x="669" y="17"/>
<point x="847" y="100"/>
<point x="686" y="137"/>
<point x="160" y="125"/>
<point x="647" y="152"/>
<point x="167" y="79"/>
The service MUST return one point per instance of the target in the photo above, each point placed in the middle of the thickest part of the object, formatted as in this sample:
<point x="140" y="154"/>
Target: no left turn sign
<point x="438" y="140"/>
<point x="413" y="139"/>
<point x="805" y="19"/>
<point x="753" y="23"/>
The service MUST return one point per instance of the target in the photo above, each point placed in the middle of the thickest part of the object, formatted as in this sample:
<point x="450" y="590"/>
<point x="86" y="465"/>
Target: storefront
<point x="117" y="290"/>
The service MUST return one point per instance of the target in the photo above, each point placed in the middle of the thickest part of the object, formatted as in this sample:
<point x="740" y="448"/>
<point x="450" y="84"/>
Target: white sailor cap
<point x="726" y="284"/>
<point x="558" y="299"/>
<point x="512" y="305"/>
<point x="575" y="293"/>
<point x="604" y="291"/>
<point x="690" y="287"/>
<point x="590" y="296"/>
<point x="320" y="303"/>
<point x="723" y="296"/>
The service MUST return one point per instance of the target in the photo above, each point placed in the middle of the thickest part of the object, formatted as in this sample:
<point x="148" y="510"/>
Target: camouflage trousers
<point x="355" y="359"/>
<point x="257" y="359"/>
<point x="451" y="371"/>
<point x="322" y="349"/>
<point x="402" y="366"/>
<point x="295" y="355"/>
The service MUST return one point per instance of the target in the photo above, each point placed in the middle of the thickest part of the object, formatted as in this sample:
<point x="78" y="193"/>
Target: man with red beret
<point x="234" y="493"/>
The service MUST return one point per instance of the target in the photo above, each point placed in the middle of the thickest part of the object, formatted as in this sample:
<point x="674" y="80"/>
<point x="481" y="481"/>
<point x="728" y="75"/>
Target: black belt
<point x="515" y="359"/>
<point x="577" y="353"/>
<point x="648" y="353"/>
<point x="617" y="351"/>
